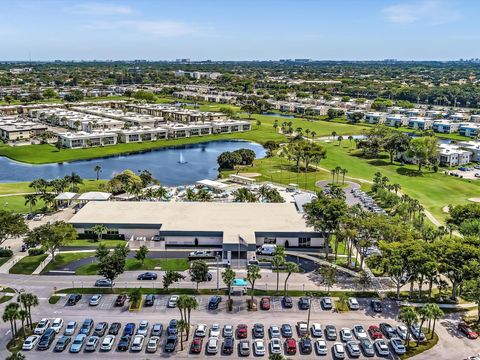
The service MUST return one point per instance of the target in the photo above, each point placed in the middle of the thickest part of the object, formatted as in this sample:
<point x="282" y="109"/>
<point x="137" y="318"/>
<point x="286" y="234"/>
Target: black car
<point x="172" y="327"/>
<point x="171" y="343"/>
<point x="303" y="303"/>
<point x="73" y="299"/>
<point x="124" y="343"/>
<point x="62" y="343"/>
<point x="114" y="328"/>
<point x="100" y="329"/>
<point x="258" y="330"/>
<point x="287" y="302"/>
<point x="306" y="345"/>
<point x="149" y="300"/>
<point x="228" y="345"/>
<point x="214" y="302"/>
<point x="387" y="330"/>
<point x="46" y="339"/>
<point x="376" y="306"/>
<point x="286" y="331"/>
<point x="147" y="276"/>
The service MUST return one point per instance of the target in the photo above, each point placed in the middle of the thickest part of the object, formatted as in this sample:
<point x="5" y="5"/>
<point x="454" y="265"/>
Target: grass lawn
<point x="27" y="265"/>
<point x="133" y="264"/>
<point x="3" y="260"/>
<point x="53" y="299"/>
<point x="87" y="242"/>
<point x="63" y="259"/>
<point x="5" y="298"/>
<point x="16" y="203"/>
<point x="415" y="350"/>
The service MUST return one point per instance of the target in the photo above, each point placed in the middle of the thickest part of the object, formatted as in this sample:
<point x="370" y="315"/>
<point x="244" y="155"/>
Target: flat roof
<point x="235" y="220"/>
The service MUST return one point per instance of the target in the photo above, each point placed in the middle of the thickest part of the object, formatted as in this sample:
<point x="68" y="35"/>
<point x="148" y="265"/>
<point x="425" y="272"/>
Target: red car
<point x="196" y="347"/>
<point x="265" y="303"/>
<point x="242" y="331"/>
<point x="291" y="346"/>
<point x="375" y="332"/>
<point x="468" y="331"/>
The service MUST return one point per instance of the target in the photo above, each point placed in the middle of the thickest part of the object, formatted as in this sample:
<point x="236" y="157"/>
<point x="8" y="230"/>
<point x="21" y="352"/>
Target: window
<point x="304" y="242"/>
<point x="268" y="240"/>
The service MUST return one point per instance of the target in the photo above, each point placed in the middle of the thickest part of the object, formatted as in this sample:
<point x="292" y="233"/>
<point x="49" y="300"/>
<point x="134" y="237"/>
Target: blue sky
<point x="239" y="29"/>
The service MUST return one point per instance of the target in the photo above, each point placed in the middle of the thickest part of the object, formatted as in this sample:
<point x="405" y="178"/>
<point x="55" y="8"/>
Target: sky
<point x="239" y="29"/>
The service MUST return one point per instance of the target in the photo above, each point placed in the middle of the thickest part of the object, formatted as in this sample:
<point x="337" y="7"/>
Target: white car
<point x="172" y="302"/>
<point x="201" y="330"/>
<point x="152" y="344"/>
<point x="275" y="346"/>
<point x="316" y="330"/>
<point x="321" y="347"/>
<point x="30" y="342"/>
<point x="38" y="217"/>
<point x="275" y="332"/>
<point x="143" y="328"/>
<point x="215" y="330"/>
<point x="137" y="343"/>
<point x="339" y="350"/>
<point x="95" y="300"/>
<point x="402" y="331"/>
<point x="92" y="343"/>
<point x="212" y="346"/>
<point x="360" y="332"/>
<point x="302" y="328"/>
<point x="198" y="253"/>
<point x="382" y="347"/>
<point x="259" y="347"/>
<point x="41" y="327"/>
<point x="70" y="328"/>
<point x="57" y="325"/>
<point x="353" y="303"/>
<point x="346" y="334"/>
<point x="227" y="331"/>
<point x="397" y="346"/>
<point x="107" y="343"/>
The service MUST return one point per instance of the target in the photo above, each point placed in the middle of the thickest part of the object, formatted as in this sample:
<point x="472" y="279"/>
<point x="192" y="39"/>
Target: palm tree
<point x="340" y="139"/>
<point x="16" y="356"/>
<point x="408" y="316"/>
<point x="350" y="138"/>
<point x="134" y="189"/>
<point x="161" y="193"/>
<point x="253" y="274"/>
<point x="277" y="261"/>
<point x="31" y="200"/>
<point x="435" y="313"/>
<point x="135" y="297"/>
<point x="228" y="276"/>
<point x="182" y="327"/>
<point x="334" y="133"/>
<point x="97" y="170"/>
<point x="313" y="134"/>
<point x="23" y="316"/>
<point x="48" y="199"/>
<point x="343" y="172"/>
<point x="10" y="314"/>
<point x="290" y="268"/>
<point x="329" y="276"/>
<point x="191" y="304"/>
<point x="204" y="195"/>
<point x="182" y="306"/>
<point x="39" y="185"/>
<point x="244" y="195"/>
<point x="28" y="301"/>
<point x="424" y="313"/>
<point x="74" y="179"/>
<point x="99" y="230"/>
<point x="338" y="169"/>
<point x="190" y="195"/>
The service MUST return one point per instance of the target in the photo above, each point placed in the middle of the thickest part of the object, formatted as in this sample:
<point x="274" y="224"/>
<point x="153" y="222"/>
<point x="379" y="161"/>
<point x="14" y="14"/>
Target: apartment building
<point x="375" y="117"/>
<point x="83" y="139"/>
<point x="469" y="129"/>
<point x="419" y="123"/>
<point x="453" y="155"/>
<point x="445" y="126"/>
<point x="396" y="121"/>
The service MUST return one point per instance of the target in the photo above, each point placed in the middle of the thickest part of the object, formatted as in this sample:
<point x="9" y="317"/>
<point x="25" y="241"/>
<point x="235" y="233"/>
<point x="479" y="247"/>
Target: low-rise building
<point x="420" y="123"/>
<point x="453" y="155"/>
<point x="139" y="134"/>
<point x="473" y="147"/>
<point x="17" y="129"/>
<point x="82" y="139"/>
<point x="445" y="126"/>
<point x="375" y="117"/>
<point x="469" y="129"/>
<point x="396" y="121"/>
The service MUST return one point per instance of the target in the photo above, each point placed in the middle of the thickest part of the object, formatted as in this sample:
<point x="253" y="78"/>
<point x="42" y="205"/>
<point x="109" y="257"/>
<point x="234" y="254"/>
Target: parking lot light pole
<point x="218" y="274"/>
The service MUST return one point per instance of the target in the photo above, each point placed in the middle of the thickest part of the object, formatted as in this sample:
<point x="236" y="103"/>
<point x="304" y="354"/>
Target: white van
<point x="267" y="249"/>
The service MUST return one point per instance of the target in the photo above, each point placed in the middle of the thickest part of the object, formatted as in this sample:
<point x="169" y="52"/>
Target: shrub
<point x="6" y="253"/>
<point x="36" y="251"/>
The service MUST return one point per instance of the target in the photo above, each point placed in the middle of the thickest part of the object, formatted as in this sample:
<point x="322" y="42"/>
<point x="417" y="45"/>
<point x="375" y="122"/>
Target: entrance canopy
<point x="239" y="282"/>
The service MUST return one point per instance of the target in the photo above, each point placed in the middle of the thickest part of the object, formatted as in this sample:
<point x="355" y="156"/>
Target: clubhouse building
<point x="236" y="229"/>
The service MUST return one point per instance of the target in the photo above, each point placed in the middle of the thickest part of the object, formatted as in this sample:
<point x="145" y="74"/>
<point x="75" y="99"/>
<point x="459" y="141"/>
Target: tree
<point x="253" y="274"/>
<point x="424" y="313"/>
<point x="135" y="297"/>
<point x="423" y="150"/>
<point x="10" y="315"/>
<point x="16" y="356"/>
<point x="182" y="327"/>
<point x="171" y="277"/>
<point x="471" y="292"/>
<point x="198" y="271"/>
<point x="145" y="96"/>
<point x="112" y="265"/>
<point x="290" y="268"/>
<point x="329" y="276"/>
<point x="28" y="301"/>
<point x="74" y="179"/>
<point x="247" y="156"/>
<point x="99" y="230"/>
<point x="244" y="195"/>
<point x="190" y="304"/>
<point x="249" y="109"/>
<point x="436" y="313"/>
<point x="408" y="316"/>
<point x="277" y="261"/>
<point x="395" y="143"/>
<point x="340" y="139"/>
<point x="97" y="170"/>
<point x="141" y="254"/>
<point x="11" y="225"/>
<point x="23" y="316"/>
<point x="52" y="236"/>
<point x="101" y="251"/>
<point x="228" y="275"/>
<point x="228" y="160"/>
<point x="31" y="201"/>
<point x="49" y="93"/>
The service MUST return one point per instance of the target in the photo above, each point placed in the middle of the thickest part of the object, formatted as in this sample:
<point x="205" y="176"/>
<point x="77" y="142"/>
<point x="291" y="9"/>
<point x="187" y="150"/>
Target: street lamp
<point x="218" y="273"/>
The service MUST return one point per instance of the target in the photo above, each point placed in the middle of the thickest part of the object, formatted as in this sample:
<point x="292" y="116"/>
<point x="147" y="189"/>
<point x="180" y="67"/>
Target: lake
<point x="200" y="163"/>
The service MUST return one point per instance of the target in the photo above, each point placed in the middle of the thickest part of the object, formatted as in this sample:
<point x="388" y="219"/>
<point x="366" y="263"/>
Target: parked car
<point x="316" y="330"/>
<point x="375" y="332"/>
<point x="152" y="344"/>
<point x="321" y="347"/>
<point x="367" y="347"/>
<point x="244" y="347"/>
<point x="302" y="328"/>
<point x="397" y="346"/>
<point x="274" y="332"/>
<point x="265" y="303"/>
<point x="78" y="343"/>
<point x="114" y="328"/>
<point x="214" y="302"/>
<point x="353" y="349"/>
<point x="360" y="332"/>
<point x="95" y="300"/>
<point x="303" y="303"/>
<point x="149" y="300"/>
<point x="346" y="334"/>
<point x="157" y="330"/>
<point x="259" y="347"/>
<point x="57" y="325"/>
<point x="290" y="346"/>
<point x="142" y="328"/>
<point x="305" y="345"/>
<point x="326" y="303"/>
<point x="201" y="330"/>
<point x="467" y="331"/>
<point x="172" y="327"/>
<point x="137" y="343"/>
<point x="120" y="300"/>
<point x="339" y="350"/>
<point x="275" y="346"/>
<point x="41" y="327"/>
<point x="100" y="329"/>
<point x="62" y="343"/>
<point x="196" y="346"/>
<point x="124" y="343"/>
<point x="382" y="347"/>
<point x="227" y="331"/>
<point x="376" y="306"/>
<point x="86" y="327"/>
<point x="172" y="301"/>
<point x="38" y="217"/>
<point x="242" y="331"/>
<point x="107" y="343"/>
<point x="70" y="328"/>
<point x="215" y="330"/>
<point x="417" y="333"/>
<point x="30" y="342"/>
<point x="387" y="330"/>
<point x="92" y="343"/>
<point x="73" y="299"/>
<point x="402" y="331"/>
<point x="286" y="331"/>
<point x="104" y="283"/>
<point x="228" y="345"/>
<point x="330" y="332"/>
<point x="147" y="276"/>
<point x="287" y="302"/>
<point x="353" y="303"/>
<point x="212" y="345"/>
<point x="199" y="254"/>
<point x="258" y="330"/>
<point x="129" y="329"/>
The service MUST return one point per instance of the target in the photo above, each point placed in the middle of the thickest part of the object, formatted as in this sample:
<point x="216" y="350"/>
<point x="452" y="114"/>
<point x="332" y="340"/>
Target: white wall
<point x="148" y="233"/>
<point x="292" y="241"/>
<point x="190" y="240"/>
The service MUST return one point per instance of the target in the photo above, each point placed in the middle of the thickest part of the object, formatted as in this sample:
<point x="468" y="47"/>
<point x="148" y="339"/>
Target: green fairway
<point x="27" y="265"/>
<point x="133" y="264"/>
<point x="63" y="259"/>
<point x="16" y="203"/>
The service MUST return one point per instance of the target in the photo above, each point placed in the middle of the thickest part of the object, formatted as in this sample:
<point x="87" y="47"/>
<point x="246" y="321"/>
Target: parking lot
<point x="160" y="313"/>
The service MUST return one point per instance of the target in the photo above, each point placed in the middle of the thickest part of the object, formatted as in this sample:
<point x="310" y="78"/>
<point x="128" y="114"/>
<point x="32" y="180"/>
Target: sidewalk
<point x="5" y="268"/>
<point x="42" y="265"/>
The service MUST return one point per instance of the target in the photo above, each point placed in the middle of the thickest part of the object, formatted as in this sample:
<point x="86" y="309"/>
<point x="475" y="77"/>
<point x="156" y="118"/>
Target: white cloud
<point x="159" y="28"/>
<point x="101" y="9"/>
<point x="430" y="12"/>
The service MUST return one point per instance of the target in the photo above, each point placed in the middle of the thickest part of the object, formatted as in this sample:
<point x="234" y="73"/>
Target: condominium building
<point x="82" y="139"/>
<point x="453" y="155"/>
<point x="19" y="130"/>
<point x="469" y="129"/>
<point x="420" y="123"/>
<point x="375" y="117"/>
<point x="396" y="121"/>
<point x="445" y="126"/>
